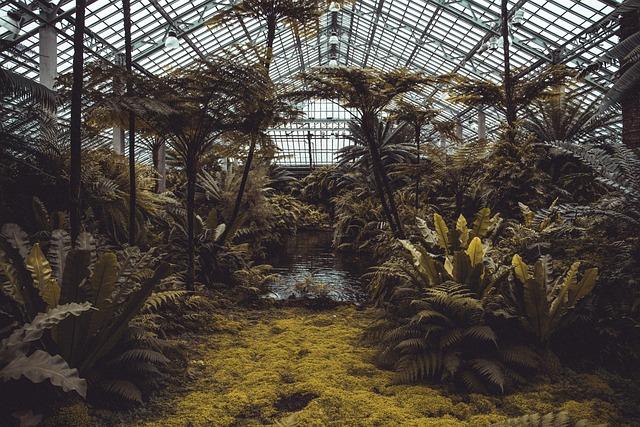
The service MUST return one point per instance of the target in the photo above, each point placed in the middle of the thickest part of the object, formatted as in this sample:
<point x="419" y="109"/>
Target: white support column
<point x="162" y="168"/>
<point x="118" y="133"/>
<point x="482" y="125"/>
<point x="459" y="130"/>
<point x="48" y="46"/>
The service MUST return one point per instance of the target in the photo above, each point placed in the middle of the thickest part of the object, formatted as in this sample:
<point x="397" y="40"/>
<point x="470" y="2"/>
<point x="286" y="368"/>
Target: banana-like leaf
<point x="33" y="331"/>
<point x="540" y="273"/>
<point x="16" y="237"/>
<point x="536" y="308"/>
<point x="41" y="366"/>
<point x="11" y="287"/>
<point x="448" y="266"/>
<point x="584" y="286"/>
<point x="59" y="247"/>
<point x="219" y="231"/>
<point x="42" y="276"/>
<point x="461" y="267"/>
<point x="423" y="263"/>
<point x="481" y="223"/>
<point x="101" y="286"/>
<point x="475" y="251"/>
<point x="108" y="337"/>
<point x="442" y="231"/>
<point x="520" y="269"/>
<point x="461" y="226"/>
<point x="212" y="220"/>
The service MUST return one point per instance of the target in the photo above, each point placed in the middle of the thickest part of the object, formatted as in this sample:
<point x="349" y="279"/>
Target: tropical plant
<point x="300" y="15"/>
<point x="543" y="301"/>
<point x="20" y="88"/>
<point x="368" y="92"/>
<point x="20" y="356"/>
<point x="436" y="324"/>
<point x="76" y="121"/>
<point x="116" y="288"/>
<point x="627" y="53"/>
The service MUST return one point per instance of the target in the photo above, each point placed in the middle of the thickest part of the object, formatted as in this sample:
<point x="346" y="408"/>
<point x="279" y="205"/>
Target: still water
<point x="308" y="267"/>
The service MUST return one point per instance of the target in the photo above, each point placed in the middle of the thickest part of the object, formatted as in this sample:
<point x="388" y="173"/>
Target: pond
<point x="308" y="267"/>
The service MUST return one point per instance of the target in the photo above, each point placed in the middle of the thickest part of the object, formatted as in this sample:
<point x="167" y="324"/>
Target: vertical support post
<point x="48" y="45"/>
<point x="459" y="130"/>
<point x="309" y="137"/>
<point x="162" y="167"/>
<point x="118" y="132"/>
<point x="482" y="125"/>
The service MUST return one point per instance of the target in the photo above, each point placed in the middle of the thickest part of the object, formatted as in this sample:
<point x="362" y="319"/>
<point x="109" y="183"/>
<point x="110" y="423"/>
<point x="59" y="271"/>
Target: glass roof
<point x="433" y="36"/>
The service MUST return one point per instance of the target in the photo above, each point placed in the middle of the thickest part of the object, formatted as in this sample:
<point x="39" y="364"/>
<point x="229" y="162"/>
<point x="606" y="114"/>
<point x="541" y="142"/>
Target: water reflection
<point x="308" y="264"/>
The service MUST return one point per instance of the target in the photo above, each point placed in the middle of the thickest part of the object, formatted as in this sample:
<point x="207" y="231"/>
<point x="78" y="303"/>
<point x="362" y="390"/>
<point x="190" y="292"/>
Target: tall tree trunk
<point x="508" y="79"/>
<point x="126" y="8"/>
<point x="417" y="139"/>
<point x="243" y="183"/>
<point x="76" y="121"/>
<point x="629" y="25"/>
<point x="271" y="37"/>
<point x="191" y="171"/>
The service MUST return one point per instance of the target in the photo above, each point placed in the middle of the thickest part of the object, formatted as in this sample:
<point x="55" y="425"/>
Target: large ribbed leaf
<point x="475" y="251"/>
<point x="584" y="287"/>
<point x="481" y="223"/>
<point x="41" y="366"/>
<point x="536" y="308"/>
<point x="461" y="226"/>
<point x="42" y="276"/>
<point x="33" y="331"/>
<point x="621" y="88"/>
<point x="520" y="269"/>
<point x="59" y="247"/>
<point x="16" y="237"/>
<point x="442" y="231"/>
<point x="100" y="288"/>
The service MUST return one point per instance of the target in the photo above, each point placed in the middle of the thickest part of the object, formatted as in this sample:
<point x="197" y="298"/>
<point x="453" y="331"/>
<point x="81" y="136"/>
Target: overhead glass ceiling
<point x="433" y="36"/>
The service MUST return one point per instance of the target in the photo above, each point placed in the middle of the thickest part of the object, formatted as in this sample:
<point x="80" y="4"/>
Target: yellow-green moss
<point x="256" y="360"/>
<point x="75" y="415"/>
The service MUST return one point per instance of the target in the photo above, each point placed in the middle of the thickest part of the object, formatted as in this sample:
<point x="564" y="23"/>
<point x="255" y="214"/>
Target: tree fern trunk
<point x="126" y="8"/>
<point x="629" y="25"/>
<point x="417" y="138"/>
<point x="191" y="205"/>
<point x="76" y="121"/>
<point x="243" y="184"/>
<point x="508" y="79"/>
<point x="271" y="36"/>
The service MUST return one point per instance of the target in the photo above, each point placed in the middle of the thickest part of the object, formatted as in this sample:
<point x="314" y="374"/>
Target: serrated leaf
<point x="481" y="223"/>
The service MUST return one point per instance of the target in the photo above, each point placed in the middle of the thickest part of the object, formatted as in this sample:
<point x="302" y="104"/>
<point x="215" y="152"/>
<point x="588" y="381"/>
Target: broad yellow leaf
<point x="443" y="232"/>
<point x="461" y="226"/>
<point x="448" y="266"/>
<point x="41" y="274"/>
<point x="520" y="269"/>
<point x="584" y="286"/>
<point x="475" y="252"/>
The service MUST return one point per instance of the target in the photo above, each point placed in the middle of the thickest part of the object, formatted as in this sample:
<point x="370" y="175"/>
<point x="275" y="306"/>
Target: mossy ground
<point x="299" y="367"/>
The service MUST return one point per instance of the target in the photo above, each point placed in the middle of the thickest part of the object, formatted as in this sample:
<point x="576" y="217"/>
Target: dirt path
<point x="299" y="367"/>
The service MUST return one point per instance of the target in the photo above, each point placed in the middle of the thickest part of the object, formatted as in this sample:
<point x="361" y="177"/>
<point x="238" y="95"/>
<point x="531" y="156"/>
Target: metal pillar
<point x="48" y="45"/>
<point x="482" y="125"/>
<point x="459" y="130"/>
<point x="118" y="133"/>
<point x="162" y="167"/>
